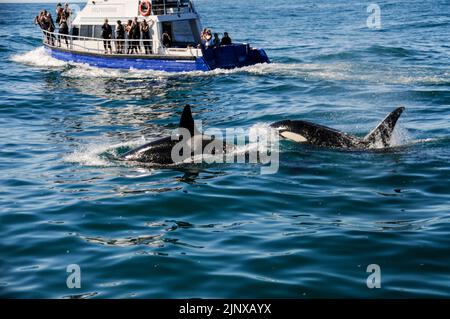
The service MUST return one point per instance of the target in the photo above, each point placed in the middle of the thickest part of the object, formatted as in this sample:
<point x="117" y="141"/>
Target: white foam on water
<point x="426" y="79"/>
<point x="423" y="140"/>
<point x="38" y="57"/>
<point x="83" y="71"/>
<point x="340" y="71"/>
<point x="400" y="136"/>
<point x="86" y="71"/>
<point x="91" y="155"/>
<point x="343" y="71"/>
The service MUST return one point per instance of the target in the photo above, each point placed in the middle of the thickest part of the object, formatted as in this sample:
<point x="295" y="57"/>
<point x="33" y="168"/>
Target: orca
<point x="318" y="135"/>
<point x="159" y="152"/>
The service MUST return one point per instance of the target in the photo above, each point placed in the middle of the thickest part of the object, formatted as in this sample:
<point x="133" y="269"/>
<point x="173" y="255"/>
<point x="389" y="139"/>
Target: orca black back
<point x="319" y="135"/>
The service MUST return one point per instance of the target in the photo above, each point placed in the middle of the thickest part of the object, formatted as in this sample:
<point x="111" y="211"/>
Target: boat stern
<point x="234" y="56"/>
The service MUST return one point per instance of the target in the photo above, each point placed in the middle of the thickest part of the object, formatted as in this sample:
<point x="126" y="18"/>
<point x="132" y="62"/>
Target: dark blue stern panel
<point x="234" y="56"/>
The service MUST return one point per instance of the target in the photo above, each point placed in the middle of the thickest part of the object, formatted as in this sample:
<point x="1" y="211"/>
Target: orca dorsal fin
<point x="187" y="121"/>
<point x="383" y="132"/>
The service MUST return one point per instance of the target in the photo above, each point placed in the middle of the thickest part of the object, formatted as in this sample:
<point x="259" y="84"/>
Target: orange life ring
<point x="145" y="10"/>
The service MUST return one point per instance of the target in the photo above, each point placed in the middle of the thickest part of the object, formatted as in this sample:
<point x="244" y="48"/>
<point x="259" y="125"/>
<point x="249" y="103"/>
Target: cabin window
<point x="86" y="31"/>
<point x="181" y="32"/>
<point x="97" y="31"/>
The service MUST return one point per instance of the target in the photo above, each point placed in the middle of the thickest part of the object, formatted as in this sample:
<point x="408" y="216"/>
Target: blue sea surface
<point x="226" y="230"/>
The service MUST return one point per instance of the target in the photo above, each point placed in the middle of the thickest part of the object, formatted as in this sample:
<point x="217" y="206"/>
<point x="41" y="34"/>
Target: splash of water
<point x="38" y="57"/>
<point x="400" y="136"/>
<point x="99" y="154"/>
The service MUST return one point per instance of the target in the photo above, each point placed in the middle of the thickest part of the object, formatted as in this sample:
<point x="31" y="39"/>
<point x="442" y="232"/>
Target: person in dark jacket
<point x="216" y="40"/>
<point x="145" y="31"/>
<point x="136" y="34"/>
<point x="45" y="25"/>
<point x="120" y="36"/>
<point x="63" y="31"/>
<point x="226" y="40"/>
<point x="166" y="40"/>
<point x="106" y="35"/>
<point x="66" y="12"/>
<point x="51" y="28"/>
<point x="59" y="12"/>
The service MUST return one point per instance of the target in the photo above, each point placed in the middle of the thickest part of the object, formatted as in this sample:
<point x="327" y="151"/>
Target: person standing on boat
<point x="120" y="36"/>
<point x="129" y="32"/>
<point x="209" y="41"/>
<point x="63" y="31"/>
<point x="226" y="40"/>
<point x="39" y="20"/>
<point x="203" y="35"/>
<point x="136" y="34"/>
<point x="59" y="12"/>
<point x="106" y="35"/>
<point x="66" y="11"/>
<point x="166" y="40"/>
<point x="51" y="28"/>
<point x="145" y="31"/>
<point x="45" y="25"/>
<point x="216" y="40"/>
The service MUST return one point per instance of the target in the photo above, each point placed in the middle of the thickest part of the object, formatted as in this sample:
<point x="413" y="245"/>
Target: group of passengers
<point x="210" y="41"/>
<point x="134" y="31"/>
<point x="45" y="21"/>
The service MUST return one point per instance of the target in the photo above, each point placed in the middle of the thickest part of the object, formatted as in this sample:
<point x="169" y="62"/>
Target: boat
<point x="176" y="18"/>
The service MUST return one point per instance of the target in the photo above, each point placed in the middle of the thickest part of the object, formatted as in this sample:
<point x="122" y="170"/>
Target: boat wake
<point x="339" y="71"/>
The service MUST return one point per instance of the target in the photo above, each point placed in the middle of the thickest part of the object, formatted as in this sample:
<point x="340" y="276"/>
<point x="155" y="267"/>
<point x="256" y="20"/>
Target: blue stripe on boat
<point x="224" y="57"/>
<point x="167" y="65"/>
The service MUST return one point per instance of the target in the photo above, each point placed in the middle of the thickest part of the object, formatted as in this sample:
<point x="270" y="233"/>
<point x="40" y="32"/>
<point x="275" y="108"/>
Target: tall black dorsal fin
<point x="383" y="132"/>
<point x="186" y="120"/>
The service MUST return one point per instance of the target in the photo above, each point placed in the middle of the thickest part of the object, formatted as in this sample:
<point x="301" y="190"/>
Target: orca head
<point x="290" y="130"/>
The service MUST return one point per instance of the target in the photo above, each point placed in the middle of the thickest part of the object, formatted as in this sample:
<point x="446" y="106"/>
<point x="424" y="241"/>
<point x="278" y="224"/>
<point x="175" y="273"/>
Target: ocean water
<point x="226" y="230"/>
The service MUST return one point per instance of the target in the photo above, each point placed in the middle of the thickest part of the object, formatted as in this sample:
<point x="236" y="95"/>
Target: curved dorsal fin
<point x="383" y="132"/>
<point x="186" y="120"/>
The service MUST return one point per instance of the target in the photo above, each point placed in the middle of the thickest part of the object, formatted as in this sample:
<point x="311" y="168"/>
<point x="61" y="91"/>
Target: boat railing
<point x="144" y="47"/>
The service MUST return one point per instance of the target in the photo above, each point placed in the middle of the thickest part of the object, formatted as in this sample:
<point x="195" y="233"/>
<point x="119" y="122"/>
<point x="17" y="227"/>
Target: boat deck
<point x="120" y="47"/>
